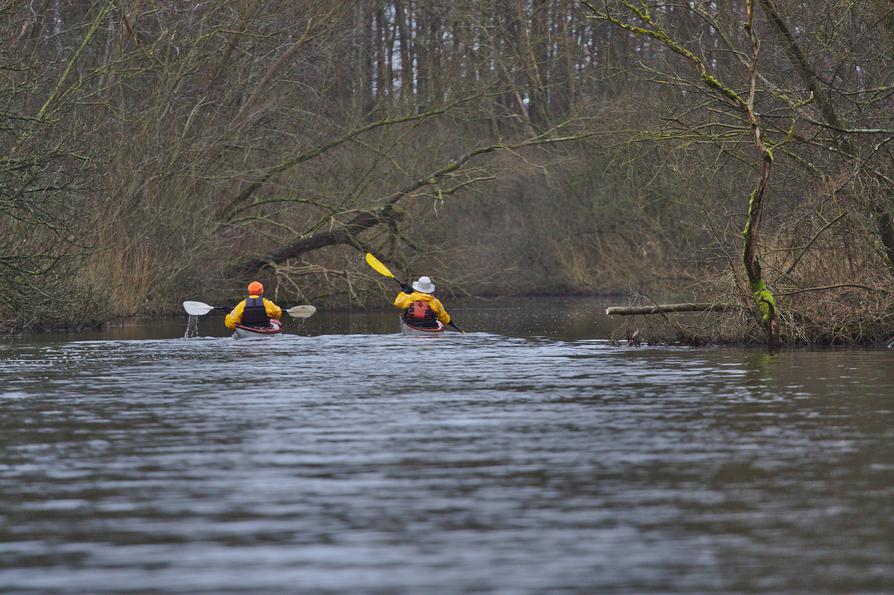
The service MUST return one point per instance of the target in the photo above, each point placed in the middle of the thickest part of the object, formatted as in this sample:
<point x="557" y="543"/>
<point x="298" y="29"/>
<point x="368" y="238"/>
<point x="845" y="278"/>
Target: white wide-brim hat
<point x="424" y="285"/>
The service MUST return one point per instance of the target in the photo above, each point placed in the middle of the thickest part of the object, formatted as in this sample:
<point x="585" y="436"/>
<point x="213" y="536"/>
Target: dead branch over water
<point x="668" y="308"/>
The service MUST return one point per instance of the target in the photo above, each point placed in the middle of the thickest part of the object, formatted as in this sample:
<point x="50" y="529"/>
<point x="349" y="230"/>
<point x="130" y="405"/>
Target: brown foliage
<point x="201" y="137"/>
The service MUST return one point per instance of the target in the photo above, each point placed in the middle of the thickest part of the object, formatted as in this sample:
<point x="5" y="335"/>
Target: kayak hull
<point x="251" y="332"/>
<point x="415" y="331"/>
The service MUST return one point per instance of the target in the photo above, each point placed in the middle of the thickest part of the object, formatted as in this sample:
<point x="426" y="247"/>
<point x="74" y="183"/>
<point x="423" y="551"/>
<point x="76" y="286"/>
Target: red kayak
<point x="254" y="332"/>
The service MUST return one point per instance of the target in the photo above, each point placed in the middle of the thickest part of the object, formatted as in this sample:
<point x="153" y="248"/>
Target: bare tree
<point x="727" y="98"/>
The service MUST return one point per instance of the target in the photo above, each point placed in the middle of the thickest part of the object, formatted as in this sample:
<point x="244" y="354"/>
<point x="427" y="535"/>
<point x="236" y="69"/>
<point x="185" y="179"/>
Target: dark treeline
<point x="735" y="152"/>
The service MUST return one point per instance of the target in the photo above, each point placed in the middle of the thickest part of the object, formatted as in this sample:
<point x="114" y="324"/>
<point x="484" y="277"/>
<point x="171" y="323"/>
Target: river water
<point x="528" y="455"/>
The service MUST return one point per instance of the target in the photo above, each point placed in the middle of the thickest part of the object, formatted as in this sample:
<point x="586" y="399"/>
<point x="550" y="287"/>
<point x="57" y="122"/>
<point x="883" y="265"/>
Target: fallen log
<point x="668" y="308"/>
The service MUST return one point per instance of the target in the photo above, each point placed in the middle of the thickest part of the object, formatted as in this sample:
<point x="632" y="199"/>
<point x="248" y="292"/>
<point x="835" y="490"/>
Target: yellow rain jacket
<point x="235" y="315"/>
<point x="403" y="301"/>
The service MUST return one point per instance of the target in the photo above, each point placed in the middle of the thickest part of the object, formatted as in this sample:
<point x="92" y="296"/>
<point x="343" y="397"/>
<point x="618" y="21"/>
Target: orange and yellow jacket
<point x="403" y="301"/>
<point x="235" y="315"/>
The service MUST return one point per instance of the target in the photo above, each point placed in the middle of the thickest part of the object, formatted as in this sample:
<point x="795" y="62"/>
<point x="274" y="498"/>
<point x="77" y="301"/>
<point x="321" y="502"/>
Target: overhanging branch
<point x="389" y="211"/>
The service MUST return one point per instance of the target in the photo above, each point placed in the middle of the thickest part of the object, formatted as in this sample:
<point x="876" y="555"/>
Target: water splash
<point x="192" y="327"/>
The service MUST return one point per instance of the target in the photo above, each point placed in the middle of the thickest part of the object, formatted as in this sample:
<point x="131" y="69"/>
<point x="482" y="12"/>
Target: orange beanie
<point x="255" y="288"/>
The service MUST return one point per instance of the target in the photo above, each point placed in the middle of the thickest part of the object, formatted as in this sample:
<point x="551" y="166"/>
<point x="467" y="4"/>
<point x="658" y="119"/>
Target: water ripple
<point x="459" y="463"/>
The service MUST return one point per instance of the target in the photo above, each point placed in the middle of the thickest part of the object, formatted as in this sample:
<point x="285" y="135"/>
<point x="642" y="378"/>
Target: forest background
<point x="736" y="152"/>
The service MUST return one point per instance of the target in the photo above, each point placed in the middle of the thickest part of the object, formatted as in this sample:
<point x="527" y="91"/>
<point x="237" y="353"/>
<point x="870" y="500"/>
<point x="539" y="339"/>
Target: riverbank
<point x="578" y="317"/>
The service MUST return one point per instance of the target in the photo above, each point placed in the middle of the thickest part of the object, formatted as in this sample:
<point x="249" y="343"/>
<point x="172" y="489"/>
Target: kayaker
<point x="421" y="308"/>
<point x="254" y="310"/>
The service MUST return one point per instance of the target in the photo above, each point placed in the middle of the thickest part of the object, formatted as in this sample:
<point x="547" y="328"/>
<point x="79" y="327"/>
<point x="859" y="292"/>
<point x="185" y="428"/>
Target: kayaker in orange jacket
<point x="420" y="307"/>
<point x="254" y="310"/>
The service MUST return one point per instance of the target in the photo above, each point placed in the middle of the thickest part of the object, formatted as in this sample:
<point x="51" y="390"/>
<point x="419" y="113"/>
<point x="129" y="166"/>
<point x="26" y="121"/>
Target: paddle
<point x="380" y="268"/>
<point x="200" y="309"/>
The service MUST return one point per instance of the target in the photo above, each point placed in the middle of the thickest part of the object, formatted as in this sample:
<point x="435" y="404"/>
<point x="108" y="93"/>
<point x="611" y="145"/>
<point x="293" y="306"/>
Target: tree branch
<point x="389" y="210"/>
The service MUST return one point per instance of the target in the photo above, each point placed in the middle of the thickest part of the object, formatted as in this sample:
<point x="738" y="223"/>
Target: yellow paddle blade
<point x="377" y="264"/>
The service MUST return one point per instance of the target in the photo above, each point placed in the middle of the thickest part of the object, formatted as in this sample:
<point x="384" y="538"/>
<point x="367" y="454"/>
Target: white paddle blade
<point x="301" y="311"/>
<point x="197" y="308"/>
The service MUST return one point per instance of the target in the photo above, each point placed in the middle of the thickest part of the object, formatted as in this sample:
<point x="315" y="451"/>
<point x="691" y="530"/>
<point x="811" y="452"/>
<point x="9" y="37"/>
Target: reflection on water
<point x="375" y="462"/>
<point x="572" y="318"/>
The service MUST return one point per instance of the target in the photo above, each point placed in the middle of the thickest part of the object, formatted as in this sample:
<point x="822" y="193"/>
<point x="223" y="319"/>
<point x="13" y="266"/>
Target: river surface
<point x="528" y="455"/>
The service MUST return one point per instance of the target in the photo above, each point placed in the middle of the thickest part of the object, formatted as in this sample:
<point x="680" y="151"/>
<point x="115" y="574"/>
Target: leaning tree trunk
<point x="759" y="291"/>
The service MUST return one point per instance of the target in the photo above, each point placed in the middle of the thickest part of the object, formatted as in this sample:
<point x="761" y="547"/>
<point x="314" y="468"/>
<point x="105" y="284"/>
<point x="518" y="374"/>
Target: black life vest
<point x="255" y="314"/>
<point x="418" y="311"/>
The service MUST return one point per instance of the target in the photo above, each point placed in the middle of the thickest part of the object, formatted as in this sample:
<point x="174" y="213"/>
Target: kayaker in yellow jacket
<point x="253" y="310"/>
<point x="420" y="307"/>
